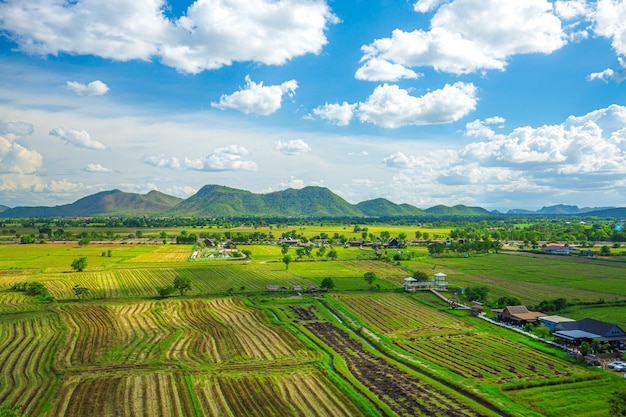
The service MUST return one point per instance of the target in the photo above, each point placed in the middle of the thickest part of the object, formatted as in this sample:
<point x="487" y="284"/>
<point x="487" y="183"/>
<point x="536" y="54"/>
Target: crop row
<point x="27" y="345"/>
<point x="198" y="331"/>
<point x="399" y="315"/>
<point x="272" y="394"/>
<point x="487" y="357"/>
<point x="404" y="393"/>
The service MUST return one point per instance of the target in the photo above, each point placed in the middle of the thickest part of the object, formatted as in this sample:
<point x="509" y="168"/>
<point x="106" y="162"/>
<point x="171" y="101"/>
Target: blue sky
<point x="493" y="103"/>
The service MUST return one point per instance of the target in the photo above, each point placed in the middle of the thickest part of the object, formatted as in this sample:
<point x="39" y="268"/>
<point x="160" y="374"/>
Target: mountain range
<point x="221" y="201"/>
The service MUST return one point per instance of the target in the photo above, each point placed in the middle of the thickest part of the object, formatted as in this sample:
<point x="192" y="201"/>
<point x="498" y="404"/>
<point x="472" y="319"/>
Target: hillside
<point x="381" y="207"/>
<point x="458" y="210"/>
<point x="218" y="201"/>
<point x="105" y="203"/>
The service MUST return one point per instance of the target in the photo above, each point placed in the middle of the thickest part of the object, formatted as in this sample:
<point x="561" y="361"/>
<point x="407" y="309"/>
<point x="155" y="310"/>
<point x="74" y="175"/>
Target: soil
<point x="402" y="392"/>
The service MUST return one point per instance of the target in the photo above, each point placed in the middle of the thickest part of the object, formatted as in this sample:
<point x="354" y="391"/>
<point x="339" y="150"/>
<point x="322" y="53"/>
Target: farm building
<point x="440" y="283"/>
<point x="518" y="315"/>
<point x="585" y="330"/>
<point x="558" y="249"/>
<point x="477" y="308"/>
<point x="551" y="321"/>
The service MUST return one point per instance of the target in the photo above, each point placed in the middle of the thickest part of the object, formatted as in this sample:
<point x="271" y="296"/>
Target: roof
<point x="597" y="327"/>
<point x="575" y="334"/>
<point x="515" y="310"/>
<point x="410" y="279"/>
<point x="556" y="319"/>
<point x="440" y="274"/>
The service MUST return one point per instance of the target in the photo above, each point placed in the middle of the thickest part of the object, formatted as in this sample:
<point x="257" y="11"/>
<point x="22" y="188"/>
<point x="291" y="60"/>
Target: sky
<point x="500" y="104"/>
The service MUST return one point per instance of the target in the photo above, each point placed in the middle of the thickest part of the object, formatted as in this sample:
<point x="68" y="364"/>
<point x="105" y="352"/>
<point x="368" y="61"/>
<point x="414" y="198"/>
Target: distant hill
<point x="218" y="201"/>
<point x="560" y="209"/>
<point x="381" y="207"/>
<point x="612" y="212"/>
<point x="221" y="201"/>
<point x="105" y="203"/>
<point x="458" y="210"/>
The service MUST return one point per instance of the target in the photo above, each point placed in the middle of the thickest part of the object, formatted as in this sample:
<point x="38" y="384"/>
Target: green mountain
<point x="4" y="208"/>
<point x="380" y="207"/>
<point x="458" y="210"/>
<point x="105" y="203"/>
<point x="220" y="201"/>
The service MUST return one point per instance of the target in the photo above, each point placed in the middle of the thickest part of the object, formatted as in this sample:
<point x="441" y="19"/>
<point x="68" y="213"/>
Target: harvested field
<point x="403" y="393"/>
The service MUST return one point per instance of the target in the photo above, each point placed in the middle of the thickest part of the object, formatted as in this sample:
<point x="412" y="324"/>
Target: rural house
<point x="518" y="315"/>
<point x="551" y="321"/>
<point x="585" y="330"/>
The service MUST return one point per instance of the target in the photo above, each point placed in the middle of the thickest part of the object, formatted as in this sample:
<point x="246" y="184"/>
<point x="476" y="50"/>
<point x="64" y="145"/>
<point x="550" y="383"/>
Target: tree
<point x="287" y="261"/>
<point x="182" y="284"/>
<point x="370" y="277"/>
<point x="7" y="411"/>
<point x="605" y="251"/>
<point x="80" y="292"/>
<point x="421" y="276"/>
<point x="284" y="248"/>
<point x="617" y="403"/>
<point x="585" y="348"/>
<point x="84" y="242"/>
<point x="332" y="254"/>
<point x="327" y="284"/>
<point x="79" y="264"/>
<point x="165" y="291"/>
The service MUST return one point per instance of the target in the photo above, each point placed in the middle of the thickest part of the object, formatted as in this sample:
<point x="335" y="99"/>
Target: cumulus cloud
<point x="466" y="36"/>
<point x="97" y="168"/>
<point x="78" y="138"/>
<point x="608" y="74"/>
<point x="390" y="106"/>
<point x="339" y="114"/>
<point x="292" y="147"/>
<point x="181" y="191"/>
<point x="609" y="18"/>
<point x="94" y="88"/>
<point x="211" y="34"/>
<point x="228" y="158"/>
<point x="292" y="182"/>
<point x="16" y="159"/>
<point x="257" y="98"/>
<point x="376" y="69"/>
<point x="14" y="129"/>
<point x="162" y="161"/>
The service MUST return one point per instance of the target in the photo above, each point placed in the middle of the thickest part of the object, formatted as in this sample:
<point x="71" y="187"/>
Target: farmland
<point x="230" y="347"/>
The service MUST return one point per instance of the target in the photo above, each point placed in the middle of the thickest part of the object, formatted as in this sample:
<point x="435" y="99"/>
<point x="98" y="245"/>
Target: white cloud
<point x="94" y="88"/>
<point x="572" y="9"/>
<point x="400" y="160"/>
<point x="78" y="138"/>
<point x="618" y="75"/>
<point x="609" y="18"/>
<point x="390" y="106"/>
<point x="257" y="98"/>
<point x="423" y="6"/>
<point x="14" y="129"/>
<point x="339" y="114"/>
<point x="16" y="159"/>
<point x="376" y="69"/>
<point x="293" y="182"/>
<point x="162" y="161"/>
<point x="292" y="147"/>
<point x="473" y="35"/>
<point x="211" y="34"/>
<point x="183" y="191"/>
<point x="97" y="168"/>
<point x="223" y="159"/>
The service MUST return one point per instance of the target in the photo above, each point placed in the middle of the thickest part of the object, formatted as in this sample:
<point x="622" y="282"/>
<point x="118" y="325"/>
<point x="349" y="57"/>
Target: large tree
<point x="327" y="284"/>
<point x="287" y="261"/>
<point x="617" y="403"/>
<point x="79" y="264"/>
<point x="370" y="277"/>
<point x="182" y="284"/>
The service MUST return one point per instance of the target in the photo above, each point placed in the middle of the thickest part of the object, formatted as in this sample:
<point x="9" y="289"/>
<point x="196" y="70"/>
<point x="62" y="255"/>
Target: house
<point x="273" y="287"/>
<point x="298" y="288"/>
<point x="354" y="243"/>
<point x="518" y="315"/>
<point x="551" y="321"/>
<point x="477" y="308"/>
<point x="585" y="330"/>
<point x="393" y="243"/>
<point x="558" y="249"/>
<point x="209" y="243"/>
